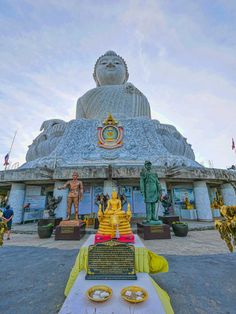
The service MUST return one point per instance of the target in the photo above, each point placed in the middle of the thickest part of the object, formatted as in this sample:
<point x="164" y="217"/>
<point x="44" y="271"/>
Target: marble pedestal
<point x="151" y="232"/>
<point x="70" y="230"/>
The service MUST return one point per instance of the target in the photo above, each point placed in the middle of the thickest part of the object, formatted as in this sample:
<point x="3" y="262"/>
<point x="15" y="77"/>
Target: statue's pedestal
<point x="70" y="230"/>
<point x="168" y="219"/>
<point x="151" y="232"/>
<point x="128" y="238"/>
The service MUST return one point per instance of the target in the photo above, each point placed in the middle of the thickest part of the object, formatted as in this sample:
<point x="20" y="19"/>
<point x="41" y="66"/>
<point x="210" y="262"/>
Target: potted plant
<point x="180" y="229"/>
<point x="45" y="231"/>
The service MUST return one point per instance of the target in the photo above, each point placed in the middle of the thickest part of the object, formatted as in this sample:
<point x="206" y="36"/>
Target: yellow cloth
<point x="145" y="262"/>
<point x="164" y="297"/>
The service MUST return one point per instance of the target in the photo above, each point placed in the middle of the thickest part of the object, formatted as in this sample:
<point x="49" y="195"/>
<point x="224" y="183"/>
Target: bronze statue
<point x="166" y="203"/>
<point x="52" y="204"/>
<point x="101" y="199"/>
<point x="75" y="194"/>
<point x="151" y="191"/>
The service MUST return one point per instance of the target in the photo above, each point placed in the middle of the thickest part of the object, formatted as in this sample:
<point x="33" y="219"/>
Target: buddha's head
<point x="110" y="69"/>
<point x="114" y="195"/>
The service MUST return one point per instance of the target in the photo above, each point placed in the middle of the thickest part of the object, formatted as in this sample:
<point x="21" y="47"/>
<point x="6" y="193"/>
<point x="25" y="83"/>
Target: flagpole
<point x="12" y="142"/>
<point x="11" y="147"/>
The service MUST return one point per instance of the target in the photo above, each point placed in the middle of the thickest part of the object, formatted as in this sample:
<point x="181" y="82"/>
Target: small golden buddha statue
<point x="215" y="204"/>
<point x="114" y="222"/>
<point x="187" y="204"/>
<point x="220" y="201"/>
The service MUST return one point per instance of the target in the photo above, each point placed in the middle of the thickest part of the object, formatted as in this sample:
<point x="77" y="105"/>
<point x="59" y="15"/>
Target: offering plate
<point x="134" y="294"/>
<point x="96" y="297"/>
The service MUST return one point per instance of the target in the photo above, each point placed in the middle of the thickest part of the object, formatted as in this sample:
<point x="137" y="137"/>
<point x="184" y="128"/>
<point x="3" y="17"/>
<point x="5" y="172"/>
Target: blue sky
<point x="180" y="54"/>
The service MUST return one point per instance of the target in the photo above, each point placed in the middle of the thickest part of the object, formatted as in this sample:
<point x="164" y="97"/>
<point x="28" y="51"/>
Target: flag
<point x="233" y="144"/>
<point x="6" y="160"/>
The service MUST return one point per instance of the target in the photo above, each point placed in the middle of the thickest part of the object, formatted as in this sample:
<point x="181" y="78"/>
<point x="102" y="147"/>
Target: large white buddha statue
<point x="113" y="94"/>
<point x="76" y="142"/>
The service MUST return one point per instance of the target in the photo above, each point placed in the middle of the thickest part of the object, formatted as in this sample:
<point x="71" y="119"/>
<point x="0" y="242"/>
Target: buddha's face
<point x="114" y="195"/>
<point x="110" y="70"/>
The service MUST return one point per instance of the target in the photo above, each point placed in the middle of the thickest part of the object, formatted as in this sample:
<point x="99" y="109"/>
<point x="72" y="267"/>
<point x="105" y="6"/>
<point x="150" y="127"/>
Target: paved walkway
<point x="201" y="277"/>
<point x="196" y="243"/>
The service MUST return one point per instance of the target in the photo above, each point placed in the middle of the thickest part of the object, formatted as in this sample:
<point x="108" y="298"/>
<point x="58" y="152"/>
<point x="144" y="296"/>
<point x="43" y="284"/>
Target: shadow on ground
<point x="33" y="281"/>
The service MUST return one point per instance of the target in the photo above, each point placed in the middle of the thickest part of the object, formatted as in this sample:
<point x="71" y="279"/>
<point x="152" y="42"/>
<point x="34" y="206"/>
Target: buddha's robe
<point x="122" y="101"/>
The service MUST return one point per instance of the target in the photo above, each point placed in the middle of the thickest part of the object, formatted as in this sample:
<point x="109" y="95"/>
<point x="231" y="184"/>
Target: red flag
<point x="233" y="144"/>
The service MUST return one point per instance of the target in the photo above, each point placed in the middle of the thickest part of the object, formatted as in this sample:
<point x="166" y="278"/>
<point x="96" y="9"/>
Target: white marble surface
<point x="16" y="200"/>
<point x="62" y="206"/>
<point x="190" y="214"/>
<point x="109" y="186"/>
<point x="202" y="201"/>
<point x="33" y="190"/>
<point x="78" y="303"/>
<point x="144" y="139"/>
<point x="228" y="194"/>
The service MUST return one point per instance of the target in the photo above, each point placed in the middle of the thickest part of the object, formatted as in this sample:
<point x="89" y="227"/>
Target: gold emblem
<point x="110" y="134"/>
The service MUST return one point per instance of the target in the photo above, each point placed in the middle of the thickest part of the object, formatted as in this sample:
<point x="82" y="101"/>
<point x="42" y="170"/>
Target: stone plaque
<point x="111" y="260"/>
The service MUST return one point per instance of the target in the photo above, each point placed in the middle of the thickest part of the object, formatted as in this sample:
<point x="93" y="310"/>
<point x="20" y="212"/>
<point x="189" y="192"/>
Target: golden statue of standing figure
<point x="75" y="194"/>
<point x="227" y="226"/>
<point x="114" y="222"/>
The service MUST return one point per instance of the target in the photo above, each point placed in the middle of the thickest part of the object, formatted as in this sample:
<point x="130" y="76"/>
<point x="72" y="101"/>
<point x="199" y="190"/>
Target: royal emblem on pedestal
<point x="110" y="134"/>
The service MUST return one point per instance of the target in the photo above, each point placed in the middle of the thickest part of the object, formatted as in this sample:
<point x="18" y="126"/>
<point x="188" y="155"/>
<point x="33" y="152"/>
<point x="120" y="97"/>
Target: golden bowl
<point x="133" y="297"/>
<point x="91" y="291"/>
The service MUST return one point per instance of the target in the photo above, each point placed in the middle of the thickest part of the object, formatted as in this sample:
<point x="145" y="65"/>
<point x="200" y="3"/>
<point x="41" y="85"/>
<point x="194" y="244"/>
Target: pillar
<point x="202" y="201"/>
<point x="109" y="186"/>
<point x="62" y="206"/>
<point x="159" y="206"/>
<point x="16" y="200"/>
<point x="228" y="194"/>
